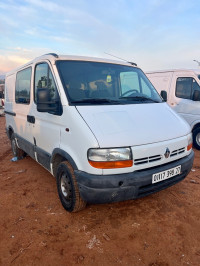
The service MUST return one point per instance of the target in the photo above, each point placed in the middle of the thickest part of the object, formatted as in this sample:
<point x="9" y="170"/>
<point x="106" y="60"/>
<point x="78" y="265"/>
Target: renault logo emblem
<point x="167" y="153"/>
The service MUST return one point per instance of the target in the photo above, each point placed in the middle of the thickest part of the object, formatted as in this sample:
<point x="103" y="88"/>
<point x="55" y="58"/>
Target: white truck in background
<point x="1" y="103"/>
<point x="181" y="90"/>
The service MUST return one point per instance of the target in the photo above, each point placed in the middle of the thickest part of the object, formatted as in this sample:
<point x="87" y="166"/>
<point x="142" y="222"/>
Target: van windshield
<point x="90" y="83"/>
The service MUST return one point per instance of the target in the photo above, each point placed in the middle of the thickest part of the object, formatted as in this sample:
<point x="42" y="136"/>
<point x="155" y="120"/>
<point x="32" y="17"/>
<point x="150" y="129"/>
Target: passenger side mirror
<point x="164" y="95"/>
<point x="196" y="95"/>
<point x="45" y="103"/>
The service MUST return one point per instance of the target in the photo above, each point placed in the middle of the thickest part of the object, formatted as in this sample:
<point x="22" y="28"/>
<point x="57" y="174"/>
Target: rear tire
<point x="68" y="188"/>
<point x="17" y="152"/>
<point x="196" y="138"/>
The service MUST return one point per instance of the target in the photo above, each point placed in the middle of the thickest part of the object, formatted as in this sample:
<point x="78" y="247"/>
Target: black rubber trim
<point x="65" y="155"/>
<point x="10" y="113"/>
<point x="43" y="157"/>
<point x="25" y="145"/>
<point x="113" y="188"/>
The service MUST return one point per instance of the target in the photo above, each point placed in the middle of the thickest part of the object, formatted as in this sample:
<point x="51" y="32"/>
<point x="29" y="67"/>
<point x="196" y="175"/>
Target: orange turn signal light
<point x="189" y="147"/>
<point x="111" y="164"/>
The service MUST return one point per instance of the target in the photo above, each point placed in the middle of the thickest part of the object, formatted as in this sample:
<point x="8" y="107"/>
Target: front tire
<point x="68" y="188"/>
<point x="196" y="138"/>
<point x="17" y="152"/>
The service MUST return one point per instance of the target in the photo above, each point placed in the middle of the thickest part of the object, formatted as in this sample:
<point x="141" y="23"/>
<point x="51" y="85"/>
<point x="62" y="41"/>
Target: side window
<point x="184" y="88"/>
<point x="44" y="79"/>
<point x="23" y="86"/>
<point x="195" y="86"/>
<point x="129" y="81"/>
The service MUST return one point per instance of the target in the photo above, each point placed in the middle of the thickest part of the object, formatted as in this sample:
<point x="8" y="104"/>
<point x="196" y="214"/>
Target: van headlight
<point x="189" y="137"/>
<point x="110" y="158"/>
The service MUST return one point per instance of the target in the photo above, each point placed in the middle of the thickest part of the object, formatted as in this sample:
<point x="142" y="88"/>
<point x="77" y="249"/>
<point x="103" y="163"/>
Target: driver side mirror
<point x="163" y="94"/>
<point x="43" y="100"/>
<point x="196" y="95"/>
<point x="45" y="103"/>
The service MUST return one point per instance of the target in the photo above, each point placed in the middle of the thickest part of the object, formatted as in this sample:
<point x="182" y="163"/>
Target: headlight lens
<point x="110" y="158"/>
<point x="189" y="137"/>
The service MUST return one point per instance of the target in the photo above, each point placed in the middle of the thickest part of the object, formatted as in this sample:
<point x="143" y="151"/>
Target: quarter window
<point x="23" y="86"/>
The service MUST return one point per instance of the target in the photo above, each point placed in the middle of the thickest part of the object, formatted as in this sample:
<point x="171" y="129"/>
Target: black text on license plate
<point x="166" y="174"/>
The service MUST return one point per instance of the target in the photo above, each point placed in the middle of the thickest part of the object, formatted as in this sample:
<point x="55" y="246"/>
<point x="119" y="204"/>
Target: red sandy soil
<point x="161" y="229"/>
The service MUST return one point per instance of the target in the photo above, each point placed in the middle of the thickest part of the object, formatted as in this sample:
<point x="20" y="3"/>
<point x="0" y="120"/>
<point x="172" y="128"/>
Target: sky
<point x="156" y="34"/>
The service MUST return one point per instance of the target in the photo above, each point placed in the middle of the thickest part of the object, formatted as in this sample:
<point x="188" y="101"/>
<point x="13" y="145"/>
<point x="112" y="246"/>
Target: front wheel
<point x="196" y="138"/>
<point x="68" y="188"/>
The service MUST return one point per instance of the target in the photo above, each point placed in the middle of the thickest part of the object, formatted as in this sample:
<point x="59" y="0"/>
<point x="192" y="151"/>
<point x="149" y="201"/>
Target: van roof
<point x="54" y="57"/>
<point x="197" y="71"/>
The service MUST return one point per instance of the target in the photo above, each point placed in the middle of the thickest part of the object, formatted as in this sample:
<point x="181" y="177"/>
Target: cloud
<point x="22" y="49"/>
<point x="17" y="59"/>
<point x="17" y="56"/>
<point x="8" y="62"/>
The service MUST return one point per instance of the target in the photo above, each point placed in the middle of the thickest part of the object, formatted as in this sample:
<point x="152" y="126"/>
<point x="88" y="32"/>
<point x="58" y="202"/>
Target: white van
<point x="98" y="126"/>
<point x="183" y="95"/>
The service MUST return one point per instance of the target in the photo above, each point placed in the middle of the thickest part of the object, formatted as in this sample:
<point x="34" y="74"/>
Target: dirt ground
<point x="161" y="229"/>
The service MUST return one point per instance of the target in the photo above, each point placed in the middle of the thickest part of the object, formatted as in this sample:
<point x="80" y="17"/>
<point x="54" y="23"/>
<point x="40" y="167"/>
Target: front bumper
<point x="113" y="188"/>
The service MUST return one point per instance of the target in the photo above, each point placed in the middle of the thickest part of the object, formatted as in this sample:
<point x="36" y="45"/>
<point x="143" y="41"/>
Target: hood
<point x="133" y="124"/>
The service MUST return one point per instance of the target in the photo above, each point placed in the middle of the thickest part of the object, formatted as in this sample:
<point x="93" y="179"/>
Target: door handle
<point x="31" y="119"/>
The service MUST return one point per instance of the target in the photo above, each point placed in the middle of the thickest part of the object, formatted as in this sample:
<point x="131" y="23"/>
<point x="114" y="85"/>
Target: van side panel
<point x="161" y="81"/>
<point x="16" y="116"/>
<point x="77" y="139"/>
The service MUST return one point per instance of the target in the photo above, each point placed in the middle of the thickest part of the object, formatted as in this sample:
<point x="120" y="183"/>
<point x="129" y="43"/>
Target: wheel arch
<point x="196" y="126"/>
<point x="59" y="156"/>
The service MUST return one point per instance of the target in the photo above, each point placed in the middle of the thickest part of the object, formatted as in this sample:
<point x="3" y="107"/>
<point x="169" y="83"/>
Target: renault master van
<point x="183" y="95"/>
<point x="98" y="126"/>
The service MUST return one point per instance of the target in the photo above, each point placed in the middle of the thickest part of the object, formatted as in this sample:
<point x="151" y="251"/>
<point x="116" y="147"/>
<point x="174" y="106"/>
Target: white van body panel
<point x="121" y="122"/>
<point x="78" y="139"/>
<point x="19" y="122"/>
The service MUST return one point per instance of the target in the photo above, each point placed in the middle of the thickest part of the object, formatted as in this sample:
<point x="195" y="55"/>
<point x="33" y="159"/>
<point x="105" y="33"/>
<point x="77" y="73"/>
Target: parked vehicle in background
<point x="1" y="103"/>
<point x="183" y="95"/>
<point x="99" y="126"/>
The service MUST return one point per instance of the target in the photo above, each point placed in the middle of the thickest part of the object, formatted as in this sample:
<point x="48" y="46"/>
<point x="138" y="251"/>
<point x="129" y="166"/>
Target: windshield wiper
<point x="139" y="98"/>
<point x="96" y="100"/>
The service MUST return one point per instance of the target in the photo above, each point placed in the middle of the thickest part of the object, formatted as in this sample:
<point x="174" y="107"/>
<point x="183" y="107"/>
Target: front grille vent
<point x="148" y="159"/>
<point x="177" y="152"/>
<point x="155" y="158"/>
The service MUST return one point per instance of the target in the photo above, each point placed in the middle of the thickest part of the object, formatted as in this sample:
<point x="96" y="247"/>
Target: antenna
<point x="197" y="62"/>
<point x="133" y="64"/>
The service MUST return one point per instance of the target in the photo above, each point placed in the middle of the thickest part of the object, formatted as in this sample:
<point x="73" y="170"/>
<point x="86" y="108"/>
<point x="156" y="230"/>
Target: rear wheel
<point x="196" y="138"/>
<point x="68" y="188"/>
<point x="17" y="152"/>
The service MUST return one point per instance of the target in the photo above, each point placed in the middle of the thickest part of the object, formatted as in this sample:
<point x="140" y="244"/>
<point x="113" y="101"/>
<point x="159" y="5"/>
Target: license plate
<point x="166" y="174"/>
